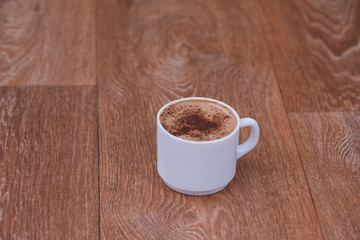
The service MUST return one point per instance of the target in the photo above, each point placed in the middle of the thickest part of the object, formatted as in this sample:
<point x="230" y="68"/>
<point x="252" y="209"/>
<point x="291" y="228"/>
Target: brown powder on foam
<point x="198" y="120"/>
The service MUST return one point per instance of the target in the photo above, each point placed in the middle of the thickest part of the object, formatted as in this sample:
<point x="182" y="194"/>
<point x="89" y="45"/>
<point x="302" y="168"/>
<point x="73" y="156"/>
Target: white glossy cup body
<point x="201" y="168"/>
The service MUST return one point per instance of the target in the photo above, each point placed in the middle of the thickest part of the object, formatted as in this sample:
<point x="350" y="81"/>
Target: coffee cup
<point x="200" y="160"/>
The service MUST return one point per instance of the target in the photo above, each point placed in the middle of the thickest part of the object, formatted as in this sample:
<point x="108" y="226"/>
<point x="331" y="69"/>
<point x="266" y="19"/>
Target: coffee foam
<point x="198" y="120"/>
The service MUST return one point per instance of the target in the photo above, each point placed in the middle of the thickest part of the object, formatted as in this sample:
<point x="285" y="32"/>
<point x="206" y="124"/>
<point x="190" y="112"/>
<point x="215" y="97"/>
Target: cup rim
<point x="198" y="98"/>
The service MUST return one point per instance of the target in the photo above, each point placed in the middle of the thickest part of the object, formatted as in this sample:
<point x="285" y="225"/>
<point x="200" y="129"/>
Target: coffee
<point x="198" y="120"/>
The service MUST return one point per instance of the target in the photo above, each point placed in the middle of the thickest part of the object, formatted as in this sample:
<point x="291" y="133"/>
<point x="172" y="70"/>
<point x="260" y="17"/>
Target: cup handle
<point x="251" y="142"/>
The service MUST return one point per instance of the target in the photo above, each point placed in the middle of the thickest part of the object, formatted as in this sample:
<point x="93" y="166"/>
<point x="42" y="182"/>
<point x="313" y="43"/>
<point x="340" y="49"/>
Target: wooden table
<point x="82" y="81"/>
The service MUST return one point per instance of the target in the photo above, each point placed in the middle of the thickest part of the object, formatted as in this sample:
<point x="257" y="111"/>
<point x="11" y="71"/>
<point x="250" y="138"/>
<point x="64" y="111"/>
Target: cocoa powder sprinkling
<point x="198" y="120"/>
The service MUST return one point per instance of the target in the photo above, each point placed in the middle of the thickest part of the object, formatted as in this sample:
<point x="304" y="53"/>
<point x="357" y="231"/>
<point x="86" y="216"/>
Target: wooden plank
<point x="48" y="163"/>
<point x="329" y="146"/>
<point x="47" y="42"/>
<point x="315" y="49"/>
<point x="152" y="52"/>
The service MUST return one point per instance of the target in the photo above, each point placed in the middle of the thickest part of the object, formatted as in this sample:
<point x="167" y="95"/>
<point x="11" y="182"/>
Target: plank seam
<point x="332" y="111"/>
<point x="287" y="116"/>
<point x="98" y="113"/>
<point x="47" y="86"/>
<point x="98" y="146"/>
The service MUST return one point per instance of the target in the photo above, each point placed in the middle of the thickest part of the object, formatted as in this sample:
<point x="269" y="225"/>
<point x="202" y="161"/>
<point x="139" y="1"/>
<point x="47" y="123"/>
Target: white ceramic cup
<point x="201" y="168"/>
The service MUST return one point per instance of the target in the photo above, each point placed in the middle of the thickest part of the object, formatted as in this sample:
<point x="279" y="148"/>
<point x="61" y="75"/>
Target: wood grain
<point x="47" y="42"/>
<point x="329" y="146"/>
<point x="152" y="52"/>
<point x="48" y="163"/>
<point x="315" y="49"/>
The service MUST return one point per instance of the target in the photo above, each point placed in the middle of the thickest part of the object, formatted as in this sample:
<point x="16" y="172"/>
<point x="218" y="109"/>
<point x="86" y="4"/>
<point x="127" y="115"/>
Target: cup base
<point x="196" y="193"/>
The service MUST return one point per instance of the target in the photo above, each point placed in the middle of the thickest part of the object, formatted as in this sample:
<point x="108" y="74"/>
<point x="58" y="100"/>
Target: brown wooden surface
<point x="151" y="55"/>
<point x="47" y="42"/>
<point x="329" y="146"/>
<point x="79" y="162"/>
<point x="48" y="166"/>
<point x="315" y="49"/>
